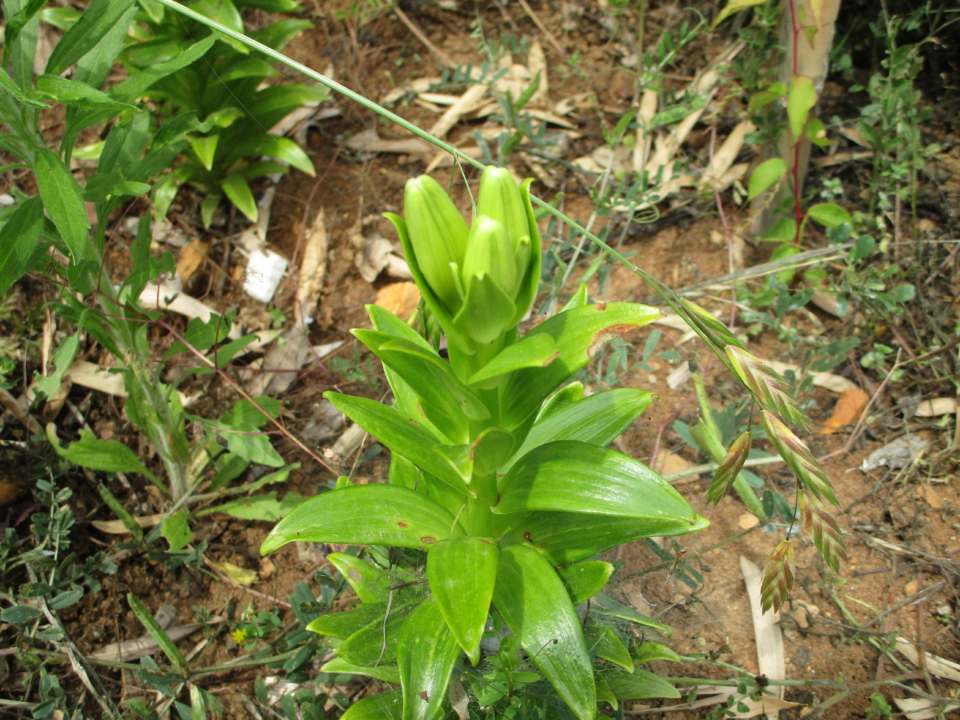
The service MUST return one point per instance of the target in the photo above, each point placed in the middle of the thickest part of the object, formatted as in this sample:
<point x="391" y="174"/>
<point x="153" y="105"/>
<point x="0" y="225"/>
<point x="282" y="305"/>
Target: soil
<point x="900" y="525"/>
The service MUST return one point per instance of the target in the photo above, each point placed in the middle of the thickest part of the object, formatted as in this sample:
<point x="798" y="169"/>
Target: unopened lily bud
<point x="489" y="252"/>
<point x="438" y="234"/>
<point x="500" y="199"/>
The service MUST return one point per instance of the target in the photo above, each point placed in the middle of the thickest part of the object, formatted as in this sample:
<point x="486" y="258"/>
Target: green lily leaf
<point x="597" y="419"/>
<point x="398" y="433"/>
<point x="339" y="666"/>
<point x="581" y="298"/>
<point x="603" y="641"/>
<point x="385" y="706"/>
<point x="568" y="537"/>
<point x="490" y="449"/>
<point x="376" y="643"/>
<point x="570" y="476"/>
<point x="205" y="148"/>
<point x="564" y="397"/>
<point x="579" y="334"/>
<point x="365" y="515"/>
<point x="462" y="573"/>
<point x="536" y="606"/>
<point x="272" y="146"/>
<point x="275" y="102"/>
<point x="458" y="457"/>
<point x="650" y="651"/>
<point x="236" y="188"/>
<point x="530" y="283"/>
<point x="426" y="653"/>
<point x="605" y="694"/>
<point x="637" y="685"/>
<point x="487" y="310"/>
<point x="363" y="577"/>
<point x="532" y="351"/>
<point x="584" y="580"/>
<point x="346" y="623"/>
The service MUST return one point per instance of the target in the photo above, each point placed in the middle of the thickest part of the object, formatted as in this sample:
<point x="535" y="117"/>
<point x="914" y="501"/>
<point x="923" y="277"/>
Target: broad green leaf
<point x="532" y="351"/>
<point x="346" y="623"/>
<point x="280" y="148"/>
<point x="564" y="397"/>
<point x="20" y="615"/>
<point x="339" y="666"/>
<point x="536" y="606"/>
<point x="97" y="20"/>
<point x="277" y="34"/>
<point x="763" y="98"/>
<point x="370" y="583"/>
<point x="205" y="147"/>
<point x="431" y="379"/>
<point x="133" y="87"/>
<point x="801" y="97"/>
<point x="377" y="642"/>
<point x="570" y="476"/>
<point x="764" y="176"/>
<point x="63" y="200"/>
<point x="569" y="537"/>
<point x="159" y="636"/>
<point x="783" y="230"/>
<point x="272" y="6"/>
<point x="275" y="102"/>
<point x="74" y="92"/>
<point x="426" y="654"/>
<point x="223" y="11"/>
<point x="829" y="214"/>
<point x="490" y="449"/>
<point x="258" y="507"/>
<point x="235" y="187"/>
<point x="385" y="706"/>
<point x="94" y="67"/>
<point x="399" y="434"/>
<point x="784" y="251"/>
<point x="604" y="643"/>
<point x="579" y="334"/>
<point x="100" y="186"/>
<point x="650" y="651"/>
<point x="248" y="67"/>
<point x="18" y="16"/>
<point x="596" y="419"/>
<point x="176" y="530"/>
<point x="92" y="452"/>
<point x="208" y="207"/>
<point x="7" y="85"/>
<point x="581" y="298"/>
<point x="19" y="246"/>
<point x="366" y="515"/>
<point x="584" y="580"/>
<point x="637" y="685"/>
<point x="734" y="6"/>
<point x="606" y="605"/>
<point x="462" y="573"/>
<point x="245" y="441"/>
<point x="132" y="526"/>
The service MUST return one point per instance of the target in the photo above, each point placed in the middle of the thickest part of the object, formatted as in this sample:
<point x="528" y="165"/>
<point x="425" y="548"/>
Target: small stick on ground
<point x="543" y="28"/>
<point x="437" y="52"/>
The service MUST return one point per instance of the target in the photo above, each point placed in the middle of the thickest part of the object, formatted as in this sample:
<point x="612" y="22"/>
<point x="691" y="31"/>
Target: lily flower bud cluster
<point x="479" y="281"/>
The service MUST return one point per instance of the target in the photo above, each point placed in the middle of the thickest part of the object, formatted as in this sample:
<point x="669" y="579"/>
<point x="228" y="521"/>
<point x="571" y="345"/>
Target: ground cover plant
<point x="475" y="555"/>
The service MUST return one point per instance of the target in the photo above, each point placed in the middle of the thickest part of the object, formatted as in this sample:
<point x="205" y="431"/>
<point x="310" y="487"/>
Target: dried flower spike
<point x="798" y="456"/>
<point x="777" y="577"/>
<point x="820" y="523"/>
<point x="771" y="389"/>
<point x="716" y="332"/>
<point x="728" y="470"/>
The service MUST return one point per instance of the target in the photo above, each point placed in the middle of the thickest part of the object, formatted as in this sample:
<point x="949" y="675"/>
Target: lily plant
<point x="502" y="491"/>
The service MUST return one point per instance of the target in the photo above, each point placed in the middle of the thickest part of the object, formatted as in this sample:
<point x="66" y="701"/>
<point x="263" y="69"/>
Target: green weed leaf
<point x="19" y="249"/>
<point x="95" y="22"/>
<point x="176" y="530"/>
<point x="366" y="515"/>
<point x="462" y="573"/>
<point x="801" y="97"/>
<point x="159" y="636"/>
<point x="766" y="174"/>
<point x="104" y="455"/>
<point x="63" y="200"/>
<point x="829" y="215"/>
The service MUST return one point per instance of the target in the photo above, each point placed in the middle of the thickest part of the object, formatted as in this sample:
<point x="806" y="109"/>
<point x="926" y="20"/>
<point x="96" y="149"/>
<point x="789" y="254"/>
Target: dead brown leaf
<point x="927" y="493"/>
<point x="399" y="298"/>
<point x="191" y="258"/>
<point x="848" y="409"/>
